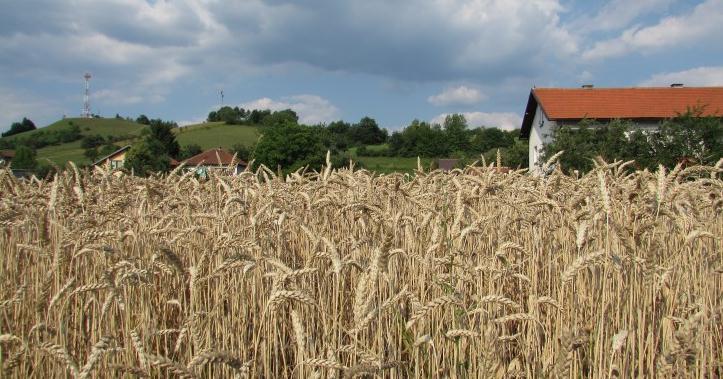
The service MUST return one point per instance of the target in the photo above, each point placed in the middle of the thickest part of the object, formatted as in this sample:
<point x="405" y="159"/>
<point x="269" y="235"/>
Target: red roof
<point x="7" y="154"/>
<point x="213" y="157"/>
<point x="652" y="103"/>
<point x="629" y="103"/>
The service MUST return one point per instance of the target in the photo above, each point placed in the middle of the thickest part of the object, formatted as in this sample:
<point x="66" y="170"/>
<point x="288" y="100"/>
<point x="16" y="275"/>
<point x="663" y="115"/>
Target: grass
<point x="217" y="134"/>
<point x="343" y="274"/>
<point x="90" y="126"/>
<point x="386" y="165"/>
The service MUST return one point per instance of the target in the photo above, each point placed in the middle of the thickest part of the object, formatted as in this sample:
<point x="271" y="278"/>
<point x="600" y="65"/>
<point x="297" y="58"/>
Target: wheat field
<point x="344" y="273"/>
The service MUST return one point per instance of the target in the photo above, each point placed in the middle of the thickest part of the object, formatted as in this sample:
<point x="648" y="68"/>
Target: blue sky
<point x="392" y="60"/>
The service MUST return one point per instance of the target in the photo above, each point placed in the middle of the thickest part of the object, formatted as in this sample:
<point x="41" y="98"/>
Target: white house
<point x="647" y="107"/>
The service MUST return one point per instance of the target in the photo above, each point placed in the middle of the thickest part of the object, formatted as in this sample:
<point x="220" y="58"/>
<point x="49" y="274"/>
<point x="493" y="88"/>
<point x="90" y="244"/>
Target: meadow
<point x="346" y="273"/>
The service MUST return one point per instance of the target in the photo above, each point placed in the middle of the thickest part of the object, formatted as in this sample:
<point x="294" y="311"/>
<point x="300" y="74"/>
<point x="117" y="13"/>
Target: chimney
<point x="587" y="86"/>
<point x="676" y="85"/>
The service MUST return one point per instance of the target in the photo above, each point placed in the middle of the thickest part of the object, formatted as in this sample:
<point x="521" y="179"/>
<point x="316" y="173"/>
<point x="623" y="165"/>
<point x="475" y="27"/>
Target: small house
<point x="217" y="160"/>
<point x="6" y="156"/>
<point x="115" y="159"/>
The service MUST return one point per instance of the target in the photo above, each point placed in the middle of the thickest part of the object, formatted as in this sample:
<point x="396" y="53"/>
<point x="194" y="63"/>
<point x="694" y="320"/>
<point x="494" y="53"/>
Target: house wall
<point x="540" y="134"/>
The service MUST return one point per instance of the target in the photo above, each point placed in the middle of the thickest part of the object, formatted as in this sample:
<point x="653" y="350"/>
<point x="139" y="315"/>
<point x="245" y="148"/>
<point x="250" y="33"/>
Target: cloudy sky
<point x="341" y="59"/>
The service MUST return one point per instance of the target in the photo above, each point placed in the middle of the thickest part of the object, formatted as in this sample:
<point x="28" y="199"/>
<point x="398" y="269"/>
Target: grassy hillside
<point x="217" y="134"/>
<point x="90" y="126"/>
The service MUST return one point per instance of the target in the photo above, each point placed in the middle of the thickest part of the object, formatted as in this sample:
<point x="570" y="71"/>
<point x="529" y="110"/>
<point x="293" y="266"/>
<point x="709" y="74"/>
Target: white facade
<point x="540" y="134"/>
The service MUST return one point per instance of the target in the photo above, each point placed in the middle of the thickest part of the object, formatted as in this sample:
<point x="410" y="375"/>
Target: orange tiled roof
<point x="629" y="103"/>
<point x="651" y="103"/>
<point x="213" y="157"/>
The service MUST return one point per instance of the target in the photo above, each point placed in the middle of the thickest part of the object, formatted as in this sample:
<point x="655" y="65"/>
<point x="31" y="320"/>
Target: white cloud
<point x="457" y="95"/>
<point x="506" y="121"/>
<point x="617" y="14"/>
<point x="15" y="106"/>
<point x="695" y="77"/>
<point x="703" y="23"/>
<point x="311" y="109"/>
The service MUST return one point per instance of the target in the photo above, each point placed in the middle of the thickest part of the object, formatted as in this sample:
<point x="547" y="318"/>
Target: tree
<point x="146" y="157"/>
<point x="162" y="131"/>
<point x="455" y="130"/>
<point x="143" y="119"/>
<point x="367" y="132"/>
<point x="242" y="151"/>
<point x="92" y="141"/>
<point x="91" y="153"/>
<point x="20" y="127"/>
<point x="291" y="146"/>
<point x="286" y="116"/>
<point x="189" y="150"/>
<point x="24" y="158"/>
<point x="485" y="139"/>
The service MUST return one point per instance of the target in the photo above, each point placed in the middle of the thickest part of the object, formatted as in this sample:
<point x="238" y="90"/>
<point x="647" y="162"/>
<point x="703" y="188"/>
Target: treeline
<point x="453" y="139"/>
<point x="688" y="137"/>
<point x="19" y="127"/>
<point x="240" y="116"/>
<point x="42" y="138"/>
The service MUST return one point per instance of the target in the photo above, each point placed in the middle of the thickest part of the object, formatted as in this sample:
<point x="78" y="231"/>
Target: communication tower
<point x="86" y="98"/>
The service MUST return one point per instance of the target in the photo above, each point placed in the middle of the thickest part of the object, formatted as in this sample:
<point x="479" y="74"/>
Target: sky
<point x="392" y="60"/>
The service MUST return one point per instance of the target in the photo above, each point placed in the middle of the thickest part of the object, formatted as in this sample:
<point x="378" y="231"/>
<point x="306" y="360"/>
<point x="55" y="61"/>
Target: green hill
<point x="206" y="135"/>
<point x="90" y="126"/>
<point x="217" y="134"/>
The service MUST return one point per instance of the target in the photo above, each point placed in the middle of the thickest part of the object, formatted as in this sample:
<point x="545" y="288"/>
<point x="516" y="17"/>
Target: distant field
<point x="217" y="134"/>
<point x="387" y="165"/>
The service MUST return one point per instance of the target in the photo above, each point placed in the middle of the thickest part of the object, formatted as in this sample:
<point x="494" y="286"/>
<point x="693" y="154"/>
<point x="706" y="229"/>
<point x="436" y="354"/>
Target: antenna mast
<point x="221" y="97"/>
<point x="86" y="98"/>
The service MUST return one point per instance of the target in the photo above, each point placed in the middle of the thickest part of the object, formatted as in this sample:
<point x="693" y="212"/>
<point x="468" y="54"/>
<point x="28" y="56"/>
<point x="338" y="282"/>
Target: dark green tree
<point x="284" y="117"/>
<point x="24" y="158"/>
<point x="367" y="132"/>
<point x="146" y="157"/>
<point x="91" y="153"/>
<point x="20" y="127"/>
<point x="455" y="130"/>
<point x="162" y="131"/>
<point x="242" y="151"/>
<point x="143" y="119"/>
<point x="190" y="150"/>
<point x="291" y="146"/>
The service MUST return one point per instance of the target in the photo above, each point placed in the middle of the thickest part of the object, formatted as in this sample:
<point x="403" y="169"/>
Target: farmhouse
<point x="216" y="160"/>
<point x="6" y="156"/>
<point x="548" y="108"/>
<point x="115" y="159"/>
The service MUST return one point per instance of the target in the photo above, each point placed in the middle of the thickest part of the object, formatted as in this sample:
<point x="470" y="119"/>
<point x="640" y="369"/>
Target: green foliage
<point x="367" y="132"/>
<point x="419" y="139"/>
<point x="688" y="136"/>
<point x="41" y="138"/>
<point x="146" y="157"/>
<point x="92" y="141"/>
<point x="514" y="156"/>
<point x="291" y="146"/>
<point x="189" y="150"/>
<point x="20" y="127"/>
<point x="143" y="119"/>
<point x="242" y="151"/>
<point x="456" y="134"/>
<point x="284" y="117"/>
<point x="162" y="131"/>
<point x="486" y="139"/>
<point x="108" y="149"/>
<point x="24" y="158"/>
<point x="91" y="153"/>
